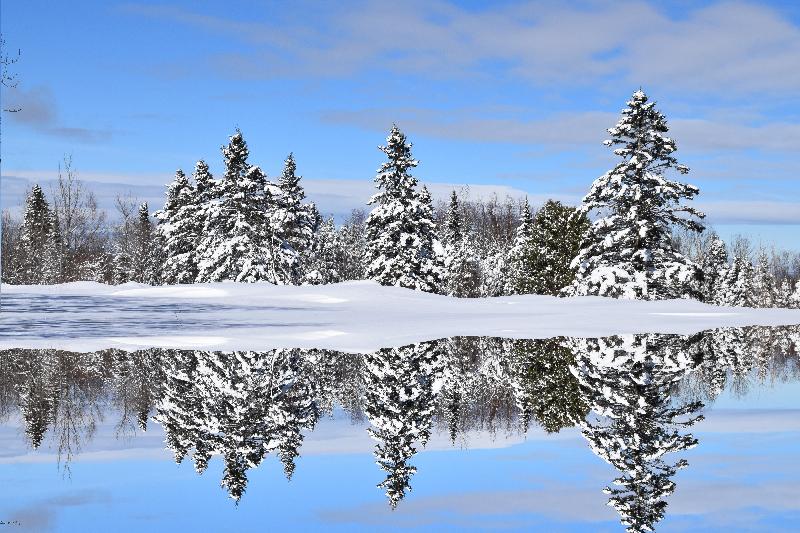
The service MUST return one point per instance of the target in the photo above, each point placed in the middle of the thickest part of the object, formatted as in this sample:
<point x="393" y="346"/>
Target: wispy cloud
<point x="751" y="212"/>
<point x="567" y="129"/>
<point x="732" y="47"/>
<point x="38" y="110"/>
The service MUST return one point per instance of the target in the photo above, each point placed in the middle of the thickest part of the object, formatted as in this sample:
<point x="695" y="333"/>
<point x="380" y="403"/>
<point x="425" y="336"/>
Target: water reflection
<point x="633" y="397"/>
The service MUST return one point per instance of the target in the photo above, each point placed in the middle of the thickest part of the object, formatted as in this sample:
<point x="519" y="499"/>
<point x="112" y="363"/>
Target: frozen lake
<point x="354" y="316"/>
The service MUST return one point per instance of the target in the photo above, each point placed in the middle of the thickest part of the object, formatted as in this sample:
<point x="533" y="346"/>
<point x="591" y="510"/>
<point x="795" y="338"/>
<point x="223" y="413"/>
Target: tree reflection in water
<point x="633" y="397"/>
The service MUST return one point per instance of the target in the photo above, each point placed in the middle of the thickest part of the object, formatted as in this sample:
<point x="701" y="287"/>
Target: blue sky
<point x="512" y="94"/>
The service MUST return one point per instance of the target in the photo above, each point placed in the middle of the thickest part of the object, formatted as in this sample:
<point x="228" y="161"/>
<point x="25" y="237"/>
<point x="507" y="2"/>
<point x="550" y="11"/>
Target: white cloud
<point x="750" y="212"/>
<point x="725" y="47"/>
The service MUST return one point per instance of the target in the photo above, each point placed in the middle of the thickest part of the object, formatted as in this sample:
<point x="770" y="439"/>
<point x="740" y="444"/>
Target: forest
<point x="632" y="237"/>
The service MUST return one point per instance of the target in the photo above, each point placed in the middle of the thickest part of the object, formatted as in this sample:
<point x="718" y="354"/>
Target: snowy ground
<point x="354" y="316"/>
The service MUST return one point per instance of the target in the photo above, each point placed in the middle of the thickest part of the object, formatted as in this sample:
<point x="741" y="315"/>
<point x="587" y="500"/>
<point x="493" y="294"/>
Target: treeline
<point x="643" y="242"/>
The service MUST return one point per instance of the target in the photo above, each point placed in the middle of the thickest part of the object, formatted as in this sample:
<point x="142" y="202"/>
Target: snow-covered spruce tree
<point x="292" y="220"/>
<point x="737" y="286"/>
<point x="206" y="192"/>
<point x="715" y="268"/>
<point x="398" y="230"/>
<point x="36" y="234"/>
<point x="453" y="222"/>
<point x="495" y="270"/>
<point x="628" y="251"/>
<point x="142" y="246"/>
<point x="179" y="230"/>
<point x="123" y="267"/>
<point x="352" y="244"/>
<point x="462" y="272"/>
<point x="430" y="255"/>
<point x="522" y="256"/>
<point x="323" y="257"/>
<point x="783" y="294"/>
<point x="557" y="234"/>
<point x="764" y="290"/>
<point x="236" y="239"/>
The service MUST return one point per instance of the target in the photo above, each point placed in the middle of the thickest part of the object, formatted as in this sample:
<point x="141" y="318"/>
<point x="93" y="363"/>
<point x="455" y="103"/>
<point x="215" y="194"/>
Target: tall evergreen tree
<point x="399" y="230"/>
<point x="430" y="261"/>
<point x="142" y="246"/>
<point x="764" y="290"/>
<point x="36" y="234"/>
<point x="179" y="230"/>
<point x="207" y="194"/>
<point x="557" y="234"/>
<point x="292" y="221"/>
<point x="737" y="286"/>
<point x="462" y="271"/>
<point x="324" y="256"/>
<point x="352" y="244"/>
<point x="546" y="390"/>
<point x="715" y="269"/>
<point x="235" y="244"/>
<point x="454" y="223"/>
<point x="628" y="251"/>
<point x="522" y="256"/>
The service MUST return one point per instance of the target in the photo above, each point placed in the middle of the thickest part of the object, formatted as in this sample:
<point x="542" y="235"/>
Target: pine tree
<point x="34" y="233"/>
<point x="764" y="290"/>
<point x="783" y="294"/>
<point x="178" y="228"/>
<point x="628" y="251"/>
<point x="142" y="246"/>
<point x="399" y="230"/>
<point x="557" y="234"/>
<point x="430" y="261"/>
<point x="738" y="284"/>
<point x="236" y="238"/>
<point x="352" y="243"/>
<point x="462" y="272"/>
<point x="523" y="254"/>
<point x="324" y="256"/>
<point x="206" y="191"/>
<point x="715" y="269"/>
<point x="454" y="223"/>
<point x="495" y="271"/>
<point x="292" y="221"/>
<point x="123" y="267"/>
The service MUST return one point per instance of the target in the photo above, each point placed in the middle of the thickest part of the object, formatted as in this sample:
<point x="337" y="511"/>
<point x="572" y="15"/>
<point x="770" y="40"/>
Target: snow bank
<point x="354" y="316"/>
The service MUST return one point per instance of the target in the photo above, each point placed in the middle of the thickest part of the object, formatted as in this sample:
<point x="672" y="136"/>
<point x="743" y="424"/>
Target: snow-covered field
<point x="354" y="316"/>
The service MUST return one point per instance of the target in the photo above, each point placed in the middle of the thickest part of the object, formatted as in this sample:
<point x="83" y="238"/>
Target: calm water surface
<point x="644" y="432"/>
